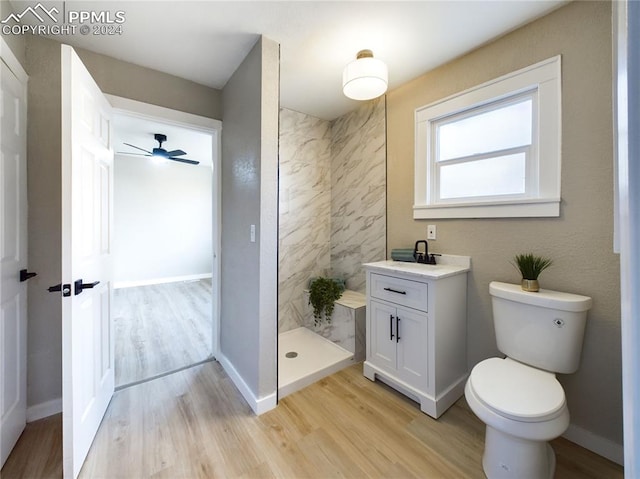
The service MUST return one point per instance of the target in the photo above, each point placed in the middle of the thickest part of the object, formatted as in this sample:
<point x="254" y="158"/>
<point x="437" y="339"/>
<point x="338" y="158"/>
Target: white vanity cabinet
<point x="416" y="329"/>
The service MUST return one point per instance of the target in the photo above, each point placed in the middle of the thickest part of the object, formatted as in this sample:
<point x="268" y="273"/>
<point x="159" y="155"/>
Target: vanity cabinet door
<point x="412" y="347"/>
<point x="382" y="339"/>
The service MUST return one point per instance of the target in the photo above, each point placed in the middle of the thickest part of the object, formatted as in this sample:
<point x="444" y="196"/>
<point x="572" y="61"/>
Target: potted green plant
<point x="323" y="292"/>
<point x="530" y="267"/>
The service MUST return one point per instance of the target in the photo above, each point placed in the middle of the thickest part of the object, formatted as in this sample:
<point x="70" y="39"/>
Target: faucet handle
<point x="432" y="258"/>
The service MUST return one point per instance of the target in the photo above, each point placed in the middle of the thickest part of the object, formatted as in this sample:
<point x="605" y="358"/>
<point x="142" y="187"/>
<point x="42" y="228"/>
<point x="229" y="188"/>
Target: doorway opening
<point x="165" y="298"/>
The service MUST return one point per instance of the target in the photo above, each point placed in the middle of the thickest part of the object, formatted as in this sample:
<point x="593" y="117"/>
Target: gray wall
<point x="248" y="326"/>
<point x="15" y="42"/>
<point x="579" y="241"/>
<point x="44" y="376"/>
<point x="128" y="80"/>
<point x="44" y="334"/>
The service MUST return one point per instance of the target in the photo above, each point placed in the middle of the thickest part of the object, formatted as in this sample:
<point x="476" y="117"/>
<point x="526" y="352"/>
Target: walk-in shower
<point x="332" y="219"/>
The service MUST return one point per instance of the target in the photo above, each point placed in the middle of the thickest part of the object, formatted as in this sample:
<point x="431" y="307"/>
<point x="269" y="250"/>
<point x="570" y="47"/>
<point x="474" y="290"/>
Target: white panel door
<point x="13" y="258"/>
<point x="87" y="333"/>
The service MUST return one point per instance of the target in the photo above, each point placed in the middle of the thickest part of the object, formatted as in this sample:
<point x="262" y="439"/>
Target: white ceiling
<point x="205" y="41"/>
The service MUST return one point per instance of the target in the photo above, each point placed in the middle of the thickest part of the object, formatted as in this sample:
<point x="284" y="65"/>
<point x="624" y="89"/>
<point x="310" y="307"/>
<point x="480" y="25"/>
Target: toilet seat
<point x="517" y="391"/>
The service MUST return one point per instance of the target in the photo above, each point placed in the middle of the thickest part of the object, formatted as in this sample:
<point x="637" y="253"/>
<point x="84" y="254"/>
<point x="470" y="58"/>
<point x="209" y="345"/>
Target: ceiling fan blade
<point x="176" y="153"/>
<point x="130" y="153"/>
<point x="184" y="160"/>
<point x="138" y="148"/>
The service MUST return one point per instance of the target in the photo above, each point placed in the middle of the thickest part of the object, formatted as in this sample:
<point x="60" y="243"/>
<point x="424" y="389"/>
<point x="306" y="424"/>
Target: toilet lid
<point x="516" y="390"/>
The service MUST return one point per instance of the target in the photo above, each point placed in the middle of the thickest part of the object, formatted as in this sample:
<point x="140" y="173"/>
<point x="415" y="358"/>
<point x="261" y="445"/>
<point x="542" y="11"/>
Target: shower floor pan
<point x="305" y="357"/>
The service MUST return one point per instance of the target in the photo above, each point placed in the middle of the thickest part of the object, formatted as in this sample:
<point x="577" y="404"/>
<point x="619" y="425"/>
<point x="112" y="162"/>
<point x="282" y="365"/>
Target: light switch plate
<point x="431" y="232"/>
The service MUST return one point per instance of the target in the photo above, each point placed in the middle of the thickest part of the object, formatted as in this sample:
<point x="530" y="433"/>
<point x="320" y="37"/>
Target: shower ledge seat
<point x="347" y="328"/>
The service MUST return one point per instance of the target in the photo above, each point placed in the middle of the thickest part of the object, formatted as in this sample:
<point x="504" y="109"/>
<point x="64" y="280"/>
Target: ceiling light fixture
<point x="365" y="78"/>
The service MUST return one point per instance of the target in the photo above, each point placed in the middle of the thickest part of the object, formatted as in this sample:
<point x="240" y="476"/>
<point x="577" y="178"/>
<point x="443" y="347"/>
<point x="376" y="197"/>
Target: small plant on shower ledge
<point x="323" y="292"/>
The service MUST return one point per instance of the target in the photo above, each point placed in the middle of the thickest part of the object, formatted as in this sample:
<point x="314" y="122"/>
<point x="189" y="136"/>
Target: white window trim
<point x="545" y="77"/>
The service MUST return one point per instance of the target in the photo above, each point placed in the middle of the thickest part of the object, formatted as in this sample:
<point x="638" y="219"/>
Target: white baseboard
<point x="172" y="279"/>
<point x="258" y="405"/>
<point x="266" y="403"/>
<point x="598" y="444"/>
<point x="45" y="409"/>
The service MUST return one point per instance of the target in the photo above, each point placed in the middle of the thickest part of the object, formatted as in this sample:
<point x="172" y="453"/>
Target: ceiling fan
<point x="160" y="152"/>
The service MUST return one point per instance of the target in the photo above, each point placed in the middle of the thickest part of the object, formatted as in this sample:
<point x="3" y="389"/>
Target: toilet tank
<point x="543" y="329"/>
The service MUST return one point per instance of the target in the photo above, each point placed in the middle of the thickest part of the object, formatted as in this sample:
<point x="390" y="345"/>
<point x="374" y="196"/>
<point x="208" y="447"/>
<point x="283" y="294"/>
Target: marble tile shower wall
<point x="358" y="192"/>
<point x="304" y="210"/>
<point x="332" y="202"/>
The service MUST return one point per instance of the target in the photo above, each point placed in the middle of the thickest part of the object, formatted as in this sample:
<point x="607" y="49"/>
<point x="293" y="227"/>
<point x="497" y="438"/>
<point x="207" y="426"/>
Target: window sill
<point x="529" y="209"/>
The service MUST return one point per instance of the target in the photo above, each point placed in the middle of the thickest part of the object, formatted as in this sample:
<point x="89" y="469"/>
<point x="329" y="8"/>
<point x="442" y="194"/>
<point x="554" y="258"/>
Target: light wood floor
<point x="38" y="452"/>
<point x="195" y="424"/>
<point x="161" y="328"/>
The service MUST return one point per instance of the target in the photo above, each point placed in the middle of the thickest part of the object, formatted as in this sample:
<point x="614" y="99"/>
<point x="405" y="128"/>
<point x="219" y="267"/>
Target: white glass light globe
<point x="365" y="78"/>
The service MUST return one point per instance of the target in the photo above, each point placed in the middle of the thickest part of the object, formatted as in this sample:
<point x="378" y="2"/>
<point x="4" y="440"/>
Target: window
<point x="492" y="151"/>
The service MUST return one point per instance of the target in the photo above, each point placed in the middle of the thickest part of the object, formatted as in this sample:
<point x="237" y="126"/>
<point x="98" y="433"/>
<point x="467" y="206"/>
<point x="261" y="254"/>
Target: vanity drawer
<point x="400" y="291"/>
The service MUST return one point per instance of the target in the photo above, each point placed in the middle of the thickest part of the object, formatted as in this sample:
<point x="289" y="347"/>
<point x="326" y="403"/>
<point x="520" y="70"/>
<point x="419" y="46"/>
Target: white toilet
<point x="519" y="398"/>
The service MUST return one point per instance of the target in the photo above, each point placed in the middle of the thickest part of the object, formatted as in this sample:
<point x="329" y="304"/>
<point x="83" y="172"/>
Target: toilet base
<point x="509" y="457"/>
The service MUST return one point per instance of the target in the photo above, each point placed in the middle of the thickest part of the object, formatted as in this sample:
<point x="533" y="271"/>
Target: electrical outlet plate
<point x="431" y="232"/>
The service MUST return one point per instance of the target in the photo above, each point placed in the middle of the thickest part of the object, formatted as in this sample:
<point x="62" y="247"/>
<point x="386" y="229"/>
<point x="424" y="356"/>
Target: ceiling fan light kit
<point x="365" y="78"/>
<point x="160" y="152"/>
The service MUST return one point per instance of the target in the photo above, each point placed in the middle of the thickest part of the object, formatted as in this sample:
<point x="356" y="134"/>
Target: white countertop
<point x="448" y="265"/>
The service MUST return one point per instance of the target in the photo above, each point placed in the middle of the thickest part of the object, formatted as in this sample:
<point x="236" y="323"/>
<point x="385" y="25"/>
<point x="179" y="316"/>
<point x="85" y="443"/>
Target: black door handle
<point x="64" y="288"/>
<point x="25" y="275"/>
<point x="397" y="328"/>
<point x="79" y="286"/>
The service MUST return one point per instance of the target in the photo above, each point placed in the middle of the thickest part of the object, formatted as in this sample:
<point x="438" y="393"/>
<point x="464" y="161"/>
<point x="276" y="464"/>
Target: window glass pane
<point x="505" y="127"/>
<point x="503" y="175"/>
